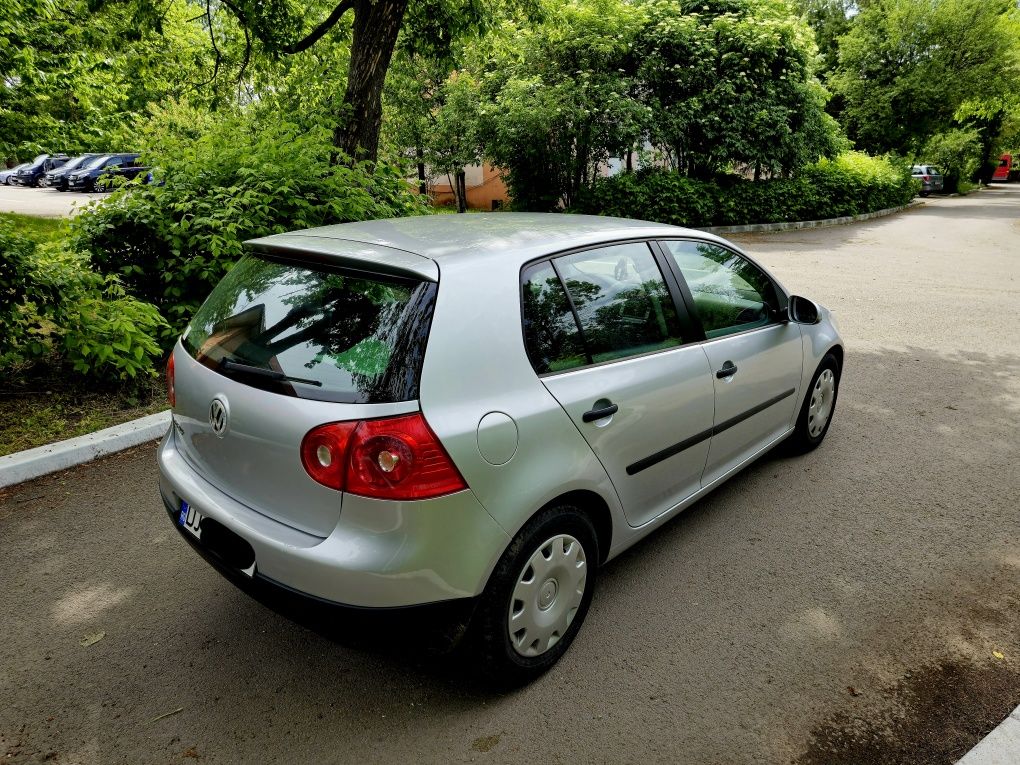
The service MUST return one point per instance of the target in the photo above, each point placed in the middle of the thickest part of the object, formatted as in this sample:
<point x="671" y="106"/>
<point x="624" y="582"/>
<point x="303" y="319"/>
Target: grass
<point x="43" y="230"/>
<point x="40" y="412"/>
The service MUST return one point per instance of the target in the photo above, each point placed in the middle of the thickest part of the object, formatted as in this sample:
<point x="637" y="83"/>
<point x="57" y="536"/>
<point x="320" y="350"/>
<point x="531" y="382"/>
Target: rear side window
<point x="618" y="306"/>
<point x="313" y="333"/>
<point x="551" y="334"/>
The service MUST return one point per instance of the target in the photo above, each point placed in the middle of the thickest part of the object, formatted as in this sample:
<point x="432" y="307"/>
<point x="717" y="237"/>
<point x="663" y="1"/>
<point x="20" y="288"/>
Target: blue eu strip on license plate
<point x="190" y="519"/>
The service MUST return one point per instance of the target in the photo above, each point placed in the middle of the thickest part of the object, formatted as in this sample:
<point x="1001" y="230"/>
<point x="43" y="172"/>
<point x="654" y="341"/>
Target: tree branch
<point x="328" y="23"/>
<point x="308" y="40"/>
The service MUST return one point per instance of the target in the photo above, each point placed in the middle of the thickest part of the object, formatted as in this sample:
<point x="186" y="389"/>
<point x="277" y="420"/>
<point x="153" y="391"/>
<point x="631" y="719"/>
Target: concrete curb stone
<point x="1000" y="747"/>
<point x="33" y="463"/>
<point x="762" y="228"/>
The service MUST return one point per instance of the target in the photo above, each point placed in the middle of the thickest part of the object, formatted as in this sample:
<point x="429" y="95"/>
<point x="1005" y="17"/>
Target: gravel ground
<point x="856" y="605"/>
<point x="47" y="203"/>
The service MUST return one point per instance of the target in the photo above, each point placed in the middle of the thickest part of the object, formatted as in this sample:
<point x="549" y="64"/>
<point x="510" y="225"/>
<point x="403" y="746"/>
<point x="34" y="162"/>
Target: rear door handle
<point x="599" y="412"/>
<point x="728" y="370"/>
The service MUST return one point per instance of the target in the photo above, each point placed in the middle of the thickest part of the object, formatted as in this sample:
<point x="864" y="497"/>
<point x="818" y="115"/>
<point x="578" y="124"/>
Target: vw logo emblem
<point x="218" y="416"/>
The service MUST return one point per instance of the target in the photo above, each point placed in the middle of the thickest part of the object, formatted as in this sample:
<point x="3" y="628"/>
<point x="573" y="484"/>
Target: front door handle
<point x="728" y="370"/>
<point x="603" y="408"/>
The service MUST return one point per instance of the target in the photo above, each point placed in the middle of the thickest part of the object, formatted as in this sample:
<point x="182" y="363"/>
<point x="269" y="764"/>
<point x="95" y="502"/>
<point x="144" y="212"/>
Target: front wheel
<point x="819" y="405"/>
<point x="537" y="596"/>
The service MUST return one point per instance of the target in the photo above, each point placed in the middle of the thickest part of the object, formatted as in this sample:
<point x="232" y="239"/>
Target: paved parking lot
<point x="48" y="203"/>
<point x="840" y="607"/>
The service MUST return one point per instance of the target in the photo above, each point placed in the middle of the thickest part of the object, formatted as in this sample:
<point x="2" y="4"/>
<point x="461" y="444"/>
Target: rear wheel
<point x="819" y="405"/>
<point x="537" y="597"/>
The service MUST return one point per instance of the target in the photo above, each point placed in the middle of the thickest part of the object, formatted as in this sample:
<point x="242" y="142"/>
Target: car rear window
<point x="309" y="332"/>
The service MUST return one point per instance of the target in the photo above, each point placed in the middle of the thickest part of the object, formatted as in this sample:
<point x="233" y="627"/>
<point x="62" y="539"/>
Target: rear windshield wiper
<point x="232" y="366"/>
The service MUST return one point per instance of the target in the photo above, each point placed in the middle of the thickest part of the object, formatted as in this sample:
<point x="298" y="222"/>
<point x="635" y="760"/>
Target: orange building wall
<point x="479" y="196"/>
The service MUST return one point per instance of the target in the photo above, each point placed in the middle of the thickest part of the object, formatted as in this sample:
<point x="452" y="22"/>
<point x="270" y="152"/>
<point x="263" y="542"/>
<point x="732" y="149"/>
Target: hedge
<point x="851" y="184"/>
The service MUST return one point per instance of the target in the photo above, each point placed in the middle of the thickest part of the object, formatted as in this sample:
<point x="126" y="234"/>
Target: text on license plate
<point x="190" y="519"/>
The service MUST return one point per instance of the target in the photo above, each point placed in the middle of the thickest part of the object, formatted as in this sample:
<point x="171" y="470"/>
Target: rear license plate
<point x="190" y="519"/>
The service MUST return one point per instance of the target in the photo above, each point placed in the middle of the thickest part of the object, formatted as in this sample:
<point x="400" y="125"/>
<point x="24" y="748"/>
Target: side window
<point x="550" y="333"/>
<point x="730" y="293"/>
<point x="621" y="300"/>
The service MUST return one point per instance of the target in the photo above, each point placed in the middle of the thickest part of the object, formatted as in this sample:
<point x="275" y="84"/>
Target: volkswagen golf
<point x="477" y="412"/>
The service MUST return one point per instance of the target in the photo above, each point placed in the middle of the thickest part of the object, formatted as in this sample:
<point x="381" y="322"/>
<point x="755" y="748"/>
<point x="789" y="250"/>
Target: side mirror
<point x="803" y="311"/>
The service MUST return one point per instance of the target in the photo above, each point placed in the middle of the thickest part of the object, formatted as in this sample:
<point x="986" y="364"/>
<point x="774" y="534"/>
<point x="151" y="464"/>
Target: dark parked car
<point x="95" y="175"/>
<point x="6" y="175"/>
<point x="29" y="176"/>
<point x="931" y="179"/>
<point x="57" y="179"/>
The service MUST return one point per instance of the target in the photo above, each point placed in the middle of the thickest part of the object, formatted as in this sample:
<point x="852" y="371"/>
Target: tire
<point x="511" y="661"/>
<point x="825" y="390"/>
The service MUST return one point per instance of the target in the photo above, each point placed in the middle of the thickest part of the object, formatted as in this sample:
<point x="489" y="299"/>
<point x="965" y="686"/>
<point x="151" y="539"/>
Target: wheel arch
<point x="597" y="510"/>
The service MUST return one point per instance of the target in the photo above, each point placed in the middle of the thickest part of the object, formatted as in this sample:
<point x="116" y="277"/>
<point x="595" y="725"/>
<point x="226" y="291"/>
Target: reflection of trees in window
<point x="728" y="290"/>
<point x="373" y="330"/>
<point x="552" y="337"/>
<point x="634" y="319"/>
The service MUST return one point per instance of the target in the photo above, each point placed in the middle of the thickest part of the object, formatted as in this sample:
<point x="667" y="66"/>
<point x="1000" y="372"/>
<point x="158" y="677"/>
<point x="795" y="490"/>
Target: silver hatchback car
<point x="477" y="412"/>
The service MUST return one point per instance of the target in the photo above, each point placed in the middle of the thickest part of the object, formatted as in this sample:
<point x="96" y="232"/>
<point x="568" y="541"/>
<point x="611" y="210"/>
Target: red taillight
<point x="925" y="177"/>
<point x="171" y="392"/>
<point x="392" y="458"/>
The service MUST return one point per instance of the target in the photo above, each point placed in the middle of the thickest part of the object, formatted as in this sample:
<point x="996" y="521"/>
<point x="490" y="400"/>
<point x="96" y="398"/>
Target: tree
<point x="79" y="77"/>
<point x="907" y="67"/>
<point x="428" y="26"/>
<point x="454" y="142"/>
<point x="557" y="99"/>
<point x="830" y="19"/>
<point x="731" y="82"/>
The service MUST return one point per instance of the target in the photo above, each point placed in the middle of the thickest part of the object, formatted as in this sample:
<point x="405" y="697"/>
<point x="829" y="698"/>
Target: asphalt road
<point x="47" y="203"/>
<point x="818" y="609"/>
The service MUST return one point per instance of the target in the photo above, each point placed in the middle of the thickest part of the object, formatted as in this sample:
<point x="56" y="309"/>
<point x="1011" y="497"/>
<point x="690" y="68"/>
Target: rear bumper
<point x="432" y="626"/>
<point x="379" y="555"/>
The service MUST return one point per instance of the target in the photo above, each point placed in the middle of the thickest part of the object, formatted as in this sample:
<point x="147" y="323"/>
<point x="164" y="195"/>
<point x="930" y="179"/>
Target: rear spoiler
<point x="347" y="254"/>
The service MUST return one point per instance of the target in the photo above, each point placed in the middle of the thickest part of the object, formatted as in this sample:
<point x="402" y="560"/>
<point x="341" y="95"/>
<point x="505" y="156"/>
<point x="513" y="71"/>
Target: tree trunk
<point x="461" y="191"/>
<point x="423" y="187"/>
<point x="376" y="25"/>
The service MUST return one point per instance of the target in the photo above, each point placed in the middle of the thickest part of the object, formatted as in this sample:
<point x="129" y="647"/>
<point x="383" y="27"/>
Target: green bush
<point x="850" y="184"/>
<point x="16" y="254"/>
<point x="237" y="180"/>
<point x="59" y="310"/>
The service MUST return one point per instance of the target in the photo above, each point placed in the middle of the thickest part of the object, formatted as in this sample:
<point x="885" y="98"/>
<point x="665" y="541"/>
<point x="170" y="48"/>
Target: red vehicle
<point x="1002" y="171"/>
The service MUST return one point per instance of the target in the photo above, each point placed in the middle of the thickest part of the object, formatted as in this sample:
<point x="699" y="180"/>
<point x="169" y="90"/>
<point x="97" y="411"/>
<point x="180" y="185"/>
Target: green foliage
<point x="77" y="75"/>
<point x="907" y="67"/>
<point x="55" y="308"/>
<point x="956" y="153"/>
<point x="241" y="178"/>
<point x="557" y="99"/>
<point x="850" y="184"/>
<point x="731" y="82"/>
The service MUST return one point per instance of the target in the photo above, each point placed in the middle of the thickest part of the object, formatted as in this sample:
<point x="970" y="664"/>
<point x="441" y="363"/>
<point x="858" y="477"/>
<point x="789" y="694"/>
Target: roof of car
<point x="446" y="238"/>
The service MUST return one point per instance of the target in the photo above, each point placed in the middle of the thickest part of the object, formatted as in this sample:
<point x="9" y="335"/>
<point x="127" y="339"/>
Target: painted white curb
<point x="32" y="463"/>
<point x="1000" y="747"/>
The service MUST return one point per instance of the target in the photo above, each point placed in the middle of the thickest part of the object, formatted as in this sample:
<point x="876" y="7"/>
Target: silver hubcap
<point x="547" y="595"/>
<point x="820" y="407"/>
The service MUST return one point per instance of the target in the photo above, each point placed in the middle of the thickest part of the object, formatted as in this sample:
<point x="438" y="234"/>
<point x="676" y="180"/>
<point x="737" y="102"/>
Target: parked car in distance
<point x="57" y="179"/>
<point x="476" y="412"/>
<point x="88" y="176"/>
<point x="6" y="175"/>
<point x="1001" y="174"/>
<point x="29" y="176"/>
<point x="115" y="174"/>
<point x="929" y="176"/>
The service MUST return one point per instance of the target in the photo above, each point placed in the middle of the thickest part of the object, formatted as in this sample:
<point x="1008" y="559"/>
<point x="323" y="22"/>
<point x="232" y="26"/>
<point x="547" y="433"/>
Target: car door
<point x="608" y="335"/>
<point x="755" y="355"/>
